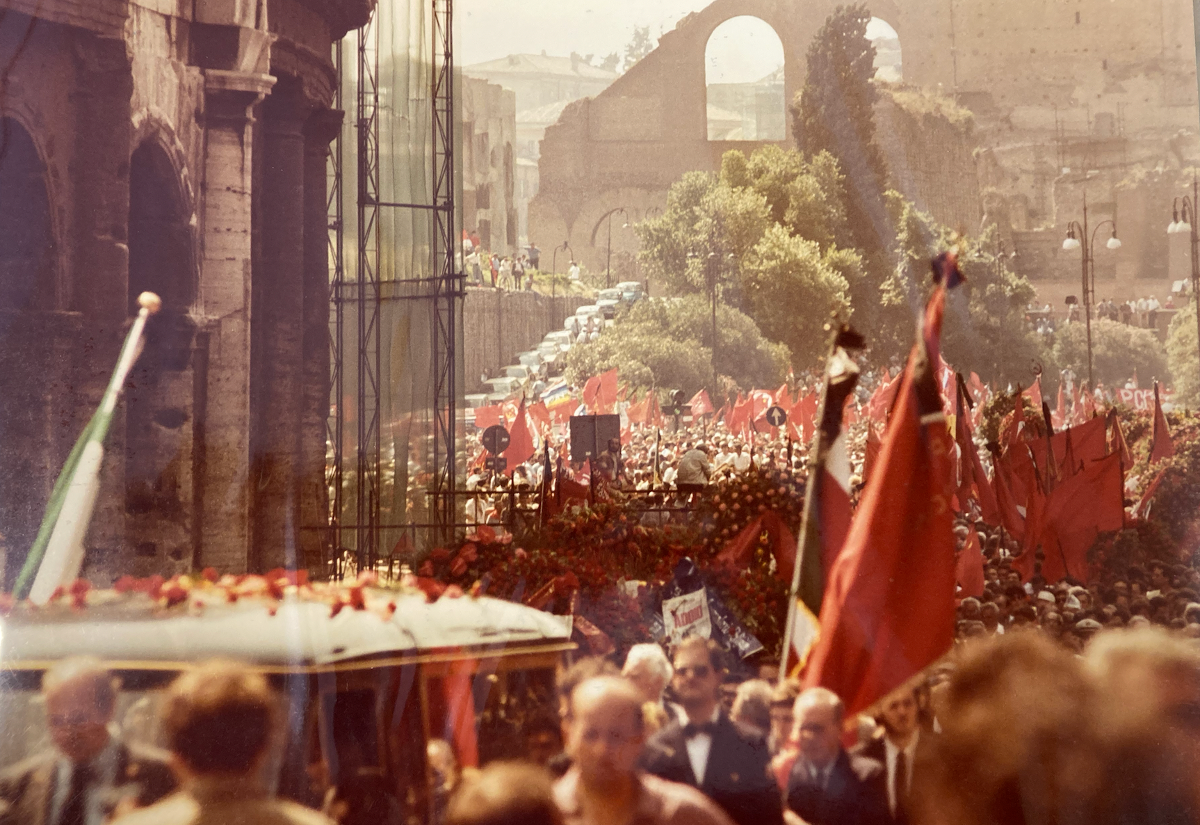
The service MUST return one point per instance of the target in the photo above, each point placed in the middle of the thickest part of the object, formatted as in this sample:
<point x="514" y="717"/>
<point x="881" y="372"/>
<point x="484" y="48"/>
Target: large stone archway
<point x="27" y="294"/>
<point x="625" y="147"/>
<point x="159" y="398"/>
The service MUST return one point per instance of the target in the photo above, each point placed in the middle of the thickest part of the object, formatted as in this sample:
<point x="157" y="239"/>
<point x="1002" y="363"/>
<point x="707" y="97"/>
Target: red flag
<point x="871" y="457"/>
<point x="636" y="412"/>
<point x="889" y="607"/>
<point x="1117" y="443"/>
<point x="607" y="397"/>
<point x="540" y="417"/>
<point x="654" y="416"/>
<point x="487" y="417"/>
<point x="1080" y="508"/>
<point x="562" y="411"/>
<point x="804" y="412"/>
<point x="1142" y="509"/>
<point x="739" y="550"/>
<point x="591" y="394"/>
<point x="783" y="396"/>
<point x="1161" y="446"/>
<point x="1035" y="509"/>
<point x="1088" y="442"/>
<point x="520" y="442"/>
<point x="973" y="481"/>
<point x="969" y="568"/>
<point x="739" y="419"/>
<point x="1016" y="429"/>
<point x="1060" y="409"/>
<point x="722" y="414"/>
<point x="760" y="402"/>
<point x="701" y="404"/>
<point x="1035" y="393"/>
<point x="1007" y="504"/>
<point x="882" y="399"/>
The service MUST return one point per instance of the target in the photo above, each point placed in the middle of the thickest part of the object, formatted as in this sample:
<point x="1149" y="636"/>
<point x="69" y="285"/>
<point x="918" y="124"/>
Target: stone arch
<point x="889" y="58"/>
<point x="745" y="73"/>
<point x="162" y="259"/>
<point x="28" y="252"/>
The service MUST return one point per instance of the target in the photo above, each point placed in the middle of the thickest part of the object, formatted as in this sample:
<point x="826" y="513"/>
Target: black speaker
<point x="592" y="433"/>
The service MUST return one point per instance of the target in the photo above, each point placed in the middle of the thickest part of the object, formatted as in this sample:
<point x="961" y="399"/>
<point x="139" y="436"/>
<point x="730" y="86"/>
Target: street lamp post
<point x="1183" y="212"/>
<point x="554" y="265"/>
<point x="1078" y="238"/>
<point x="711" y="279"/>
<point x="608" y="265"/>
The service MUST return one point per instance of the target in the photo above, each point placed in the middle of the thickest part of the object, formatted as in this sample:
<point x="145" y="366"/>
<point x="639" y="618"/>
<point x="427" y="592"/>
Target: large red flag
<point x="591" y="394"/>
<point x="804" y="412"/>
<point x="1007" y="504"/>
<point x="1161" y="446"/>
<point x="520" y="442"/>
<point x="1080" y="508"/>
<point x="969" y="568"/>
<point x="607" y="396"/>
<point x="701" y="404"/>
<point x="1117" y="443"/>
<point x="487" y="416"/>
<point x="739" y="419"/>
<point x="1088" y="442"/>
<point x="540" y="416"/>
<point x="973" y="481"/>
<point x="1060" y="409"/>
<point x="889" y="607"/>
<point x="636" y="412"/>
<point x="783" y="397"/>
<point x="1035" y="393"/>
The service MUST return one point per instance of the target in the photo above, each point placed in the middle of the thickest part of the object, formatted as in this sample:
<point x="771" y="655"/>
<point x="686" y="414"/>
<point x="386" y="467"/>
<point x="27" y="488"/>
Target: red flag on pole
<point x="520" y="441"/>
<point x="969" y="567"/>
<point x="1117" y="442"/>
<point x="701" y="404"/>
<point x="1080" y="508"/>
<point x="607" y="396"/>
<point x="1161" y="446"/>
<point x="889" y="606"/>
<point x="591" y="394"/>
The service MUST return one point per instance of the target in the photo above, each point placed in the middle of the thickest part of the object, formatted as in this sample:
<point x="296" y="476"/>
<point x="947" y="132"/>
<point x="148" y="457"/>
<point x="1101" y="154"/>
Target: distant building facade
<point x="490" y="164"/>
<point x="543" y="86"/>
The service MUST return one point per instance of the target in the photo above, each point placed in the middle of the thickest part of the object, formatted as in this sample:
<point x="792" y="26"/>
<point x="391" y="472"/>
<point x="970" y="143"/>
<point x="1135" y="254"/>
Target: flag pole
<point x="57" y="552"/>
<point x="842" y="336"/>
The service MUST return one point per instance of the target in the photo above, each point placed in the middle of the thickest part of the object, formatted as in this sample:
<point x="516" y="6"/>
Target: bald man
<point x="605" y="735"/>
<point x="828" y="786"/>
<point x="89" y="771"/>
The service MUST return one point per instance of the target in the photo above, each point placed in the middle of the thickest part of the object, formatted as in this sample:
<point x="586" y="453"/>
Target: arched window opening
<point x="26" y="236"/>
<point x="744" y="65"/>
<point x="160" y="261"/>
<point x="889" y="67"/>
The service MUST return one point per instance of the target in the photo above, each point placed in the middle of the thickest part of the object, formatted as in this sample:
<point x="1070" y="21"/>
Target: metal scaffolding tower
<point x="364" y="294"/>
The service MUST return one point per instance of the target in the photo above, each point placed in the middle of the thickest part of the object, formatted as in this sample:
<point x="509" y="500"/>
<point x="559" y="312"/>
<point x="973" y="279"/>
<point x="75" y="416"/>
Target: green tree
<point x="1118" y="350"/>
<point x="1181" y="355"/>
<point x="834" y="113"/>
<point x="638" y="47"/>
<point x="668" y="343"/>
<point x="985" y="329"/>
<point x="791" y="291"/>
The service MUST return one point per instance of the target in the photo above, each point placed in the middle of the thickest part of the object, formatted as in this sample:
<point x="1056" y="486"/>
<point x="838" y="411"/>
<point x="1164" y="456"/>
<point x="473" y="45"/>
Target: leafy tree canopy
<point x="985" y="329"/>
<point x="668" y="343"/>
<point x="1181" y="356"/>
<point x="1118" y="351"/>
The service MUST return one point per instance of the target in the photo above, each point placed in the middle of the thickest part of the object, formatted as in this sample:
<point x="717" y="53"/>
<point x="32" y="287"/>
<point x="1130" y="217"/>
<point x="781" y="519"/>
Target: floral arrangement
<point x="603" y="563"/>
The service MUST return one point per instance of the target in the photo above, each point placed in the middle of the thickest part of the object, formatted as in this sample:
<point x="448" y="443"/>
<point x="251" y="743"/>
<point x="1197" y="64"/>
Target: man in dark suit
<point x="709" y="751"/>
<point x="899" y="750"/>
<point x="827" y="785"/>
<point x="89" y="772"/>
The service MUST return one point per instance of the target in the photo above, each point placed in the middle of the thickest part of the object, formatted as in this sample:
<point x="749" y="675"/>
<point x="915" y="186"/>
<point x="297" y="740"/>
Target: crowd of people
<point x="1138" y="312"/>
<point x="1020" y="727"/>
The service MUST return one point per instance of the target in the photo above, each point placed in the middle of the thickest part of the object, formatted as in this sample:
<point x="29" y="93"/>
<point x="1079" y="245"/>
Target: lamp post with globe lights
<point x="1078" y="238"/>
<point x="1183" y="222"/>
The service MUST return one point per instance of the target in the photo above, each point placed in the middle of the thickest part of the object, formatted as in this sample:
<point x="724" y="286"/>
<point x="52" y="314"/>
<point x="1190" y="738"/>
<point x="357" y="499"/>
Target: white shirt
<point x="892" y="754"/>
<point x="104" y="768"/>
<point x="699" y="746"/>
<point x="741" y="462"/>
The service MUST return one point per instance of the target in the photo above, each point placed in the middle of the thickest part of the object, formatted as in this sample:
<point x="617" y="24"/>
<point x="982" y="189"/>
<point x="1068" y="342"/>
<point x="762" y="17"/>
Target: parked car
<point x="520" y="372"/>
<point x="561" y="338"/>
<point x="607" y="301"/>
<point x="533" y="359"/>
<point x="631" y="291"/>
<point x="475" y="399"/>
<point x="502" y="389"/>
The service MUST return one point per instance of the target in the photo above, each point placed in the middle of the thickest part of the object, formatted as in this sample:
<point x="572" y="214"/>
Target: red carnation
<point x="210" y="574"/>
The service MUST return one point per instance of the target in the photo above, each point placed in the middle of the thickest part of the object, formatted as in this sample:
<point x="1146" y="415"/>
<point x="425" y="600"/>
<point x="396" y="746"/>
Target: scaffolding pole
<point x="335" y="424"/>
<point x="367" y="412"/>
<point x="448" y="281"/>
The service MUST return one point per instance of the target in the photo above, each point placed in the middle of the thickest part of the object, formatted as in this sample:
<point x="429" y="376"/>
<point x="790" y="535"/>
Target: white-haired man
<point x="648" y="667"/>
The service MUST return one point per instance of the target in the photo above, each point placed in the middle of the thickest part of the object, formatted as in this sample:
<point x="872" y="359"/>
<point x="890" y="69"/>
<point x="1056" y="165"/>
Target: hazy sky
<point x="491" y="29"/>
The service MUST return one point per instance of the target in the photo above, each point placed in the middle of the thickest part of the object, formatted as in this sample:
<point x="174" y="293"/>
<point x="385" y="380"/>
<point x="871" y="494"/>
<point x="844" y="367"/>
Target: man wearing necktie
<point x="90" y="770"/>
<point x="706" y="749"/>
<point x="829" y="786"/>
<point x="897" y="750"/>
